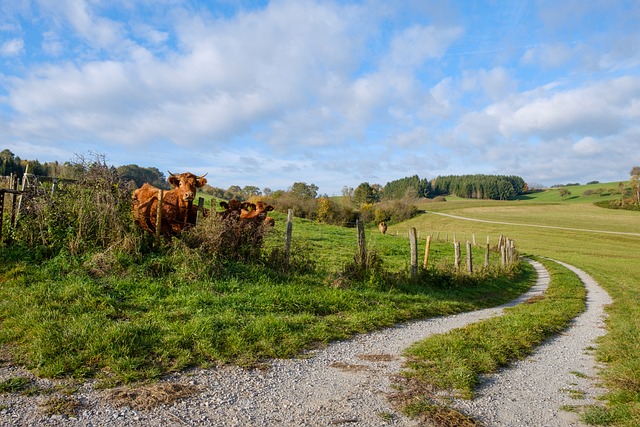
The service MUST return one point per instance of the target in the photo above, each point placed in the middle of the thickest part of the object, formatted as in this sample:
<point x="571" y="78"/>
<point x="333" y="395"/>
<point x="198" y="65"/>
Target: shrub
<point x="227" y="239"/>
<point x="331" y="212"/>
<point x="92" y="213"/>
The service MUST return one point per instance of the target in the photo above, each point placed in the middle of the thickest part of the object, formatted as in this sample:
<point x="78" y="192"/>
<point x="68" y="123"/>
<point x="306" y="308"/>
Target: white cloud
<point x="587" y="146"/>
<point x="13" y="47"/>
<point x="600" y="108"/>
<point x="416" y="44"/>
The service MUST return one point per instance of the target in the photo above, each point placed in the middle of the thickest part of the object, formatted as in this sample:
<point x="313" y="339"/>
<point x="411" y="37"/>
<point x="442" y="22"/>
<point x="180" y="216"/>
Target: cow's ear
<point x="200" y="182"/>
<point x="269" y="208"/>
<point x="174" y="180"/>
<point x="224" y="205"/>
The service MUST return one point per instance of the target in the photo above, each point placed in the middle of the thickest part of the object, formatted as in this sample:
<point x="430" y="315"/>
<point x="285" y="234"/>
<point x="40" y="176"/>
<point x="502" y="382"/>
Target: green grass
<point x="457" y="359"/>
<point x="125" y="319"/>
<point x="609" y="258"/>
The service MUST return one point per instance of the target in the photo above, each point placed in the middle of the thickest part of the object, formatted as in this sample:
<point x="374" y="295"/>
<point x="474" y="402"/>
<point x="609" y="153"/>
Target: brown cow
<point x="382" y="227"/>
<point x="259" y="213"/>
<point x="177" y="207"/>
<point x="233" y="208"/>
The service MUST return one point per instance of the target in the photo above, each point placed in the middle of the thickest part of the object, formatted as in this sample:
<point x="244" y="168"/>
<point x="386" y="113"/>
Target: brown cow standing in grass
<point x="177" y="204"/>
<point x="382" y="227"/>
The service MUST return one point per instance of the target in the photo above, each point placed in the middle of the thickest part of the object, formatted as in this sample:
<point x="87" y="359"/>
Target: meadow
<point x="126" y="315"/>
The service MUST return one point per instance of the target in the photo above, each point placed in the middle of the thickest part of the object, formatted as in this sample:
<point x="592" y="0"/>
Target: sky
<point x="331" y="93"/>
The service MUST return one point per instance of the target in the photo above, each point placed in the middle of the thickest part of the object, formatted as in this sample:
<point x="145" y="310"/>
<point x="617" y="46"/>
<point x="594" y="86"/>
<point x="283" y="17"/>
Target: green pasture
<point x="605" y="243"/>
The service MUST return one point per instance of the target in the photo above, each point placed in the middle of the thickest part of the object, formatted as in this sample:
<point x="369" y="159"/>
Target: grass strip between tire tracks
<point x="454" y="361"/>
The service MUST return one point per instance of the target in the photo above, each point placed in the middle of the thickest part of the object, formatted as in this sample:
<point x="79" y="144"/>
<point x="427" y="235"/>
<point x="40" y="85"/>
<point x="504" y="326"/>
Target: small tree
<point x="564" y="193"/>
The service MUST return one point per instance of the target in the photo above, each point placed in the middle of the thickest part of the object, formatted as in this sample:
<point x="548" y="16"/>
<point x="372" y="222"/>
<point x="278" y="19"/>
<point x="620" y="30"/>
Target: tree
<point x="564" y="193"/>
<point x="141" y="175"/>
<point x="302" y="190"/>
<point x="251" y="190"/>
<point x="364" y="193"/>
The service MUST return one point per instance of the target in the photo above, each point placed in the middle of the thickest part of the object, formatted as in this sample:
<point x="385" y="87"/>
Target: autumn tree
<point x="634" y="183"/>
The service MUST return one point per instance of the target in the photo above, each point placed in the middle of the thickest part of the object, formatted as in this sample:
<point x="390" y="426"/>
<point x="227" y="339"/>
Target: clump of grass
<point x="61" y="405"/>
<point x="15" y="385"/>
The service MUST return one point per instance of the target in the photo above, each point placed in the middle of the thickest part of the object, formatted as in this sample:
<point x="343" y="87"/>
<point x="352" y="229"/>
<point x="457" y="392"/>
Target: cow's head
<point x="188" y="184"/>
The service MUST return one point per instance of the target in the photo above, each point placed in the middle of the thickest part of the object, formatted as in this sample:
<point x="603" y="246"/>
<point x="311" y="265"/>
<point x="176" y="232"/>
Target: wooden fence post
<point x="413" y="241"/>
<point x="426" y="252"/>
<point x="486" y="255"/>
<point x="362" y="246"/>
<point x="16" y="216"/>
<point x="159" y="214"/>
<point x="14" y="198"/>
<point x="456" y="249"/>
<point x="200" y="212"/>
<point x="469" y="258"/>
<point x="287" y="241"/>
<point x="1" y="212"/>
<point x="503" y="255"/>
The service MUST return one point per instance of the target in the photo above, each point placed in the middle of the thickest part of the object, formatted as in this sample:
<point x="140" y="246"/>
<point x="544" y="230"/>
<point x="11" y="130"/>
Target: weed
<point x="14" y="385"/>
<point x="61" y="405"/>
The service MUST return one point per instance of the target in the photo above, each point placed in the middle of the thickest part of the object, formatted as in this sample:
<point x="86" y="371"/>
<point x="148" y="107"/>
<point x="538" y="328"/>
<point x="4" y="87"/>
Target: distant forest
<point x="495" y="187"/>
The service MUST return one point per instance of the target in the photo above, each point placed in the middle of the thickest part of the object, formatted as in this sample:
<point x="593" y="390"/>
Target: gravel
<point x="344" y="384"/>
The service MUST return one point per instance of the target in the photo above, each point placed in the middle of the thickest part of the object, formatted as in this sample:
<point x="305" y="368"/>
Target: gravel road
<point x="346" y="383"/>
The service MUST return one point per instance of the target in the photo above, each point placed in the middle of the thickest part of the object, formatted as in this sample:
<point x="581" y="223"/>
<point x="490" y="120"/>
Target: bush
<point x="227" y="239"/>
<point x="92" y="213"/>
<point x="390" y="211"/>
<point x="331" y="212"/>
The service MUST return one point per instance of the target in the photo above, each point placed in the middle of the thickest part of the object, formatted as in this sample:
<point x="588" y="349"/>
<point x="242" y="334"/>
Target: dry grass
<point x="151" y="395"/>
<point x="61" y="405"/>
<point x="378" y="357"/>
<point x="349" y="367"/>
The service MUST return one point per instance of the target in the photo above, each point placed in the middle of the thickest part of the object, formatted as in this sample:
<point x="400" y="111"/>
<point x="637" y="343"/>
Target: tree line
<point x="494" y="187"/>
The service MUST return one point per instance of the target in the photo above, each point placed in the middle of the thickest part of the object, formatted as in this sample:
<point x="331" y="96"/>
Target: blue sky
<point x="333" y="93"/>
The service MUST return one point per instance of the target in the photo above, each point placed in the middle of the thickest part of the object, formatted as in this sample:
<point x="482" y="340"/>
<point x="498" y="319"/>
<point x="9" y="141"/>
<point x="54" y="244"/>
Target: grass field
<point x="605" y="243"/>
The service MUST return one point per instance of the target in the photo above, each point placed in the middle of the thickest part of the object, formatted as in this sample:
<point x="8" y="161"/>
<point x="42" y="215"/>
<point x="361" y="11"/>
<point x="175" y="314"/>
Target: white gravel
<point x="347" y="383"/>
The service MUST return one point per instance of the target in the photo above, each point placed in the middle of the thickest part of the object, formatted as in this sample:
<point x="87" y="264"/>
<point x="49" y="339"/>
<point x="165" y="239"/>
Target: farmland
<point x="138" y="311"/>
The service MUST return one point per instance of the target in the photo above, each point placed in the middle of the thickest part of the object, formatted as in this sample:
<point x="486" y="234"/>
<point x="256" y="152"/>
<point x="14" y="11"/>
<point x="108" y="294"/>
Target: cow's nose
<point x="189" y="196"/>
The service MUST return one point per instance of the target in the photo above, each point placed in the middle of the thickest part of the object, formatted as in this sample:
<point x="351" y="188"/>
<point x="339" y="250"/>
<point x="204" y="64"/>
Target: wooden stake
<point x="413" y="241"/>
<point x="287" y="241"/>
<point x="426" y="253"/>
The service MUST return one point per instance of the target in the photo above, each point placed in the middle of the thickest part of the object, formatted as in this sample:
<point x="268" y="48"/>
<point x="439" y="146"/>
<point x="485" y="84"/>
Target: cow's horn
<point x="203" y="175"/>
<point x="171" y="174"/>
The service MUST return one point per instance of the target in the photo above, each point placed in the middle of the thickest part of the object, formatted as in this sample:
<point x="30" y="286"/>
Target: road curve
<point x="561" y="372"/>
